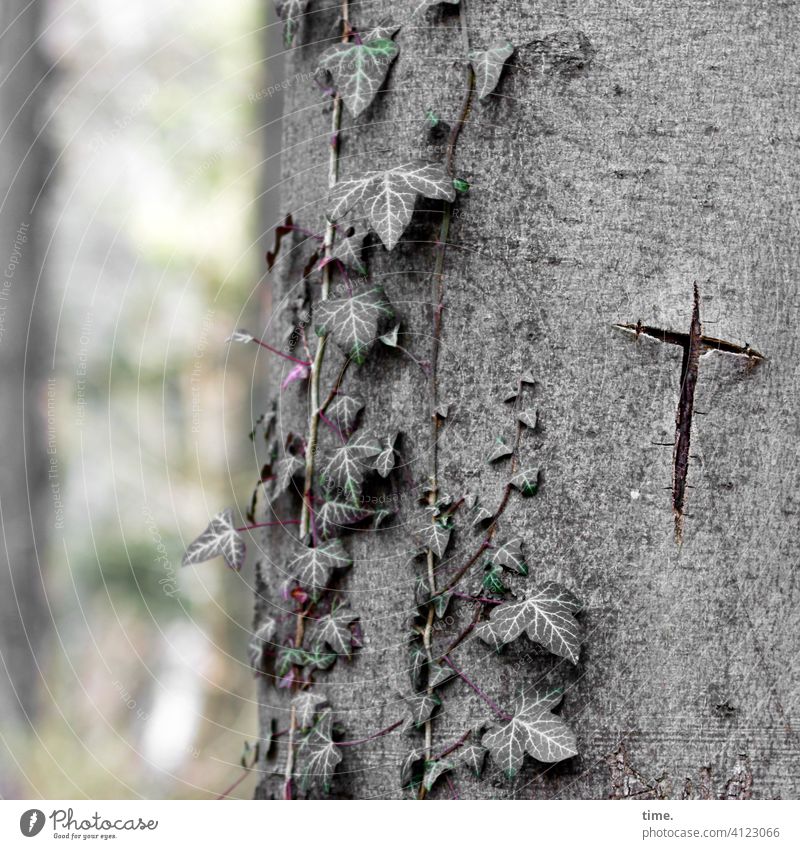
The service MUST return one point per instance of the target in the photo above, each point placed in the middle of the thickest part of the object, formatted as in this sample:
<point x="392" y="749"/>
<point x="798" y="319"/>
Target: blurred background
<point x="138" y="164"/>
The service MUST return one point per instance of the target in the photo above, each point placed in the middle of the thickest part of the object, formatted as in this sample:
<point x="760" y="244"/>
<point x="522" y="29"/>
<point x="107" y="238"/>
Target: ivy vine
<point x="330" y="483"/>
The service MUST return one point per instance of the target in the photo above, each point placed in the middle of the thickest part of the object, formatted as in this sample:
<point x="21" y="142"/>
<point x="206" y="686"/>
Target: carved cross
<point x="694" y="344"/>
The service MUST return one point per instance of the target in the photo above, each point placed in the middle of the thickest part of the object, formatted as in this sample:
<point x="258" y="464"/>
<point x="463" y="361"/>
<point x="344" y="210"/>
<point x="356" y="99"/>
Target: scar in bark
<point x="694" y="345"/>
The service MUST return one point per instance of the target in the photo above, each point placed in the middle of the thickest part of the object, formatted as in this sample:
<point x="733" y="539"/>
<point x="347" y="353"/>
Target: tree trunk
<point x="627" y="154"/>
<point x="28" y="476"/>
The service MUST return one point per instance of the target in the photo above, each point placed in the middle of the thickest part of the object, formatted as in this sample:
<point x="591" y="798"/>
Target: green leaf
<point x="358" y="70"/>
<point x="291" y="12"/>
<point x="319" y="658"/>
<point x="388" y="197"/>
<point x="313" y="568"/>
<point x="346" y="468"/>
<point x="436" y="769"/>
<point x="547" y="617"/>
<point x="219" y="539"/>
<point x="343" y="412"/>
<point x="532" y="729"/>
<point x="489" y="64"/>
<point x="510" y="555"/>
<point x="334" y="630"/>
<point x="289" y="656"/>
<point x="460" y="185"/>
<point x="335" y="515"/>
<point x="421" y="706"/>
<point x="353" y="321"/>
<point x="526" y="481"/>
<point x="307" y="705"/>
<point x="318" y="756"/>
<point x="493" y="581"/>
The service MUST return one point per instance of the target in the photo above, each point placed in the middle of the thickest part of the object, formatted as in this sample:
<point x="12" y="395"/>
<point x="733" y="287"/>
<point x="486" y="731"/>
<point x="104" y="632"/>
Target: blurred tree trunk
<point x="628" y="153"/>
<point x="27" y="510"/>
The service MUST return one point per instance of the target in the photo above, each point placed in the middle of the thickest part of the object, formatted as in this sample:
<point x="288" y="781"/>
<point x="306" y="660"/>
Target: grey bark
<point x="629" y="152"/>
<point x="24" y="468"/>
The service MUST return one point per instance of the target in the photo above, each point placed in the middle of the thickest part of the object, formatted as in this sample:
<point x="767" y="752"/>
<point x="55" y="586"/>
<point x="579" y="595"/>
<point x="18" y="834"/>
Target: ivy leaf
<point x="259" y="641"/>
<point x="493" y="581"/>
<point x="348" y="248"/>
<point x="353" y="321"/>
<point x="419" y="661"/>
<point x="285" y="470"/>
<point x="384" y="463"/>
<point x="473" y="755"/>
<point x="530" y="418"/>
<point x="547" y="617"/>
<point x="489" y="64"/>
<point x="436" y="769"/>
<point x="412" y="770"/>
<point x="291" y="12"/>
<point x="312" y="569"/>
<point x="307" y="705"/>
<point x="421" y="707"/>
<point x="289" y="656"/>
<point x="434" y="536"/>
<point x="220" y="538"/>
<point x="335" y="515"/>
<point x="343" y="412"/>
<point x="298" y="372"/>
<point x="439" y="674"/>
<point x="510" y="555"/>
<point x="388" y="196"/>
<point x="318" y="755"/>
<point x="358" y="70"/>
<point x="346" y="466"/>
<point x="499" y="450"/>
<point x="390" y="339"/>
<point x="526" y="481"/>
<point x="532" y="729"/>
<point x="334" y="630"/>
<point x="481" y="515"/>
<point x="319" y="659"/>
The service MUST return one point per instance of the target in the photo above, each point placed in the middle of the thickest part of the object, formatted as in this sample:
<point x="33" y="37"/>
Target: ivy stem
<point x="382" y="733"/>
<point x="433" y="388"/>
<point x="281" y="354"/>
<point x="457" y="745"/>
<point x="306" y="514"/>
<point x="228" y="790"/>
<point x="280" y="523"/>
<point x="499" y="712"/>
<point x="477" y="598"/>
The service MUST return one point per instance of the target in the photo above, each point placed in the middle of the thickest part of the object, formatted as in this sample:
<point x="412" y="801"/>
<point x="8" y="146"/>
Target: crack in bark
<point x="694" y="345"/>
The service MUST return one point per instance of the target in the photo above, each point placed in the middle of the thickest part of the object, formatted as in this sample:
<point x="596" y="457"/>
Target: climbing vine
<point x="358" y="318"/>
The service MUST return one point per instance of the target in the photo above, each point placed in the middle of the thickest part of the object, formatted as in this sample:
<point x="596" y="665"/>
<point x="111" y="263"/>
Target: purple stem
<point x="374" y="736"/>
<point x="479" y="598"/>
<point x="228" y="790"/>
<point x="333" y="426"/>
<point x="453" y="791"/>
<point x="281" y="354"/>
<point x="498" y="711"/>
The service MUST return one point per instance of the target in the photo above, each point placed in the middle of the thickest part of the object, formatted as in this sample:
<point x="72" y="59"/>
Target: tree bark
<point x="627" y="154"/>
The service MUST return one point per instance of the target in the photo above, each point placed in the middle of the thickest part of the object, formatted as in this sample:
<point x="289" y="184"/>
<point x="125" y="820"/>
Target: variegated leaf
<point x="348" y="247"/>
<point x="347" y="465"/>
<point x="353" y="321"/>
<point x="534" y="729"/>
<point x="334" y="630"/>
<point x="220" y="538"/>
<point x="530" y="418"/>
<point x="473" y="756"/>
<point x="526" y="481"/>
<point x="547" y="617"/>
<point x="291" y="13"/>
<point x="343" y="412"/>
<point x="384" y="462"/>
<point x="434" y="536"/>
<point x="510" y="555"/>
<point x="334" y="515"/>
<point x="388" y="197"/>
<point x="285" y="470"/>
<point x="358" y="70"/>
<point x="318" y="756"/>
<point x="499" y="450"/>
<point x="435" y="769"/>
<point x="489" y="64"/>
<point x="438" y="674"/>
<point x="313" y="568"/>
<point x="421" y="707"/>
<point x="307" y="705"/>
<point x="259" y="641"/>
